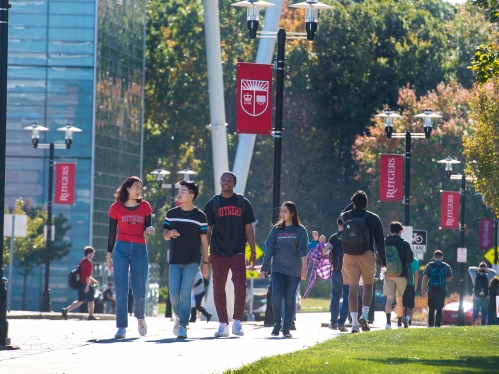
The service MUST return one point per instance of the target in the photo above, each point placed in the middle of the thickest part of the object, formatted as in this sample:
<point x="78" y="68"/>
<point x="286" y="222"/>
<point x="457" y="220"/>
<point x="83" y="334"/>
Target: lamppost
<point x="448" y="161"/>
<point x="35" y="128"/>
<point x="388" y="115"/>
<point x="311" y="18"/>
<point x="4" y="45"/>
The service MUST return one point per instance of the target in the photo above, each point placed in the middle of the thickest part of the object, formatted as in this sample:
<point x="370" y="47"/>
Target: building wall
<point x="54" y="57"/>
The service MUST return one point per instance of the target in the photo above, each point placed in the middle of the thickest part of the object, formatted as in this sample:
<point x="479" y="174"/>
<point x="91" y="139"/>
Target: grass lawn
<point x="443" y="350"/>
<point x="315" y="305"/>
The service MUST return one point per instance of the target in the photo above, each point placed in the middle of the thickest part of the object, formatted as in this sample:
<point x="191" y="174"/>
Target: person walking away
<point x="109" y="298"/>
<point x="481" y="277"/>
<point x="230" y="225"/>
<point x="492" y="318"/>
<point x="198" y="292"/>
<point x="338" y="289"/>
<point x="362" y="235"/>
<point x="186" y="228"/>
<point x="129" y="219"/>
<point x="410" y="291"/>
<point x="86" y="292"/>
<point x="398" y="256"/>
<point x="286" y="246"/>
<point x="435" y="277"/>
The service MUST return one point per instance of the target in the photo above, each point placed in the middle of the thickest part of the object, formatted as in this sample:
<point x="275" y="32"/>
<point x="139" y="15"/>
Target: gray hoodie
<point x="286" y="247"/>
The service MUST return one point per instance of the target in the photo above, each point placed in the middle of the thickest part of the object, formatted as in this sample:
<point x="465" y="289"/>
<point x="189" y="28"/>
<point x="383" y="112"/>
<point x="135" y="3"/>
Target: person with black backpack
<point x="398" y="258"/>
<point x="435" y="277"/>
<point x="481" y="277"/>
<point x="362" y="236"/>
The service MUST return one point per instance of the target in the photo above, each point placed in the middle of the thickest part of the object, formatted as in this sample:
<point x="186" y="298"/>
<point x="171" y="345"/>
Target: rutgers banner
<point x="254" y="98"/>
<point x="450" y="210"/>
<point x="390" y="178"/>
<point x="486" y="236"/>
<point x="65" y="183"/>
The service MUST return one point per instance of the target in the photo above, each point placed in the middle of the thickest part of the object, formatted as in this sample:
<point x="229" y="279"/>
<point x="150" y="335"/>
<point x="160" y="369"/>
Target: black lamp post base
<point x="8" y="347"/>
<point x="46" y="307"/>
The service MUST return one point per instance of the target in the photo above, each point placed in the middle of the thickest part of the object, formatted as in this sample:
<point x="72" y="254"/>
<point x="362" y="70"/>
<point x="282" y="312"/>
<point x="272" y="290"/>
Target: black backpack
<point x="481" y="288"/>
<point x="437" y="276"/>
<point x="216" y="204"/>
<point x="356" y="238"/>
<point x="336" y="253"/>
<point x="74" y="278"/>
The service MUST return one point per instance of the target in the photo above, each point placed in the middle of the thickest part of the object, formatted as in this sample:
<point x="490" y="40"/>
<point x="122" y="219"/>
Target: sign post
<point x="418" y="244"/>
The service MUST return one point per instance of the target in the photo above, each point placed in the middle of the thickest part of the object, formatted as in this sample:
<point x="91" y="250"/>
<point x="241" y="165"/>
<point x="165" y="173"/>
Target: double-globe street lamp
<point x="388" y="115"/>
<point x="448" y="161"/>
<point x="35" y="128"/>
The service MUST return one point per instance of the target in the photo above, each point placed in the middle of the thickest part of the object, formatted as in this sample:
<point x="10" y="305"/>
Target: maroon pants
<point x="221" y="266"/>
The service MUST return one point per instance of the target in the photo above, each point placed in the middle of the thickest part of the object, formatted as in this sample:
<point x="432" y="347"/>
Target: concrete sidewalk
<point x="80" y="346"/>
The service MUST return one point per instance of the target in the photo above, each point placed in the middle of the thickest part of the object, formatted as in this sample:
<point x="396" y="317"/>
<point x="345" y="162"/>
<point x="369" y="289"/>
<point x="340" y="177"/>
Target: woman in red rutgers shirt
<point x="132" y="217"/>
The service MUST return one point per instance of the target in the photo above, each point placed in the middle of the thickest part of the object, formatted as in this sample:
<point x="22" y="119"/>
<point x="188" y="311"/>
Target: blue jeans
<point x="134" y="256"/>
<point x="284" y="307"/>
<point x="481" y="305"/>
<point x="284" y="287"/>
<point x="181" y="279"/>
<point x="338" y="289"/>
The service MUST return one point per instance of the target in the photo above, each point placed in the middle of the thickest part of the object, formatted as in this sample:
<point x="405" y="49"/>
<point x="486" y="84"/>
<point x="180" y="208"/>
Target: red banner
<point x="65" y="183"/>
<point x="450" y="210"/>
<point x="390" y="178"/>
<point x="486" y="233"/>
<point x="254" y="98"/>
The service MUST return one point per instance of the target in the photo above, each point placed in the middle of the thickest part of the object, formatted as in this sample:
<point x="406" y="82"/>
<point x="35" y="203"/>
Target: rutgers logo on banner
<point x="450" y="210"/>
<point x="65" y="183"/>
<point x="390" y="178"/>
<point x="486" y="233"/>
<point x="254" y="98"/>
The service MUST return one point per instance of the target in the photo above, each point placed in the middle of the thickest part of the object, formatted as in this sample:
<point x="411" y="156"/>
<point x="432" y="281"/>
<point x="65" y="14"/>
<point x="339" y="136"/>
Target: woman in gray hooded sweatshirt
<point x="286" y="246"/>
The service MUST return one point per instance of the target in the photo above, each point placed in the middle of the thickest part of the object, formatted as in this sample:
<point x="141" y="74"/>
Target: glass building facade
<point x="80" y="62"/>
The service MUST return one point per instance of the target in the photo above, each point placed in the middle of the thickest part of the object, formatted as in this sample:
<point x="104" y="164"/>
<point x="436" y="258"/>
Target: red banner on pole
<point x="486" y="233"/>
<point x="450" y="210"/>
<point x="65" y="183"/>
<point x="254" y="98"/>
<point x="390" y="178"/>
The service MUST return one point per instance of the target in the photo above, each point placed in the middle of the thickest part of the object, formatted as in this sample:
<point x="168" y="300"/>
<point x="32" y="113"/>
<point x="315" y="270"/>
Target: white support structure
<point x="216" y="91"/>
<point x="264" y="55"/>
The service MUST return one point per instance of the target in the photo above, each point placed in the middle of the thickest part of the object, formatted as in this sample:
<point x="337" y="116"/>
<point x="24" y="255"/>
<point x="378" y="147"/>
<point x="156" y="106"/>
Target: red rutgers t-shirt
<point x="130" y="224"/>
<point x="85" y="270"/>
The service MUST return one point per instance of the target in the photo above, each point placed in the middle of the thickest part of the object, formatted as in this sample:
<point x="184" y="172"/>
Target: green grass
<point x="444" y="350"/>
<point x="315" y="305"/>
<point x="161" y="309"/>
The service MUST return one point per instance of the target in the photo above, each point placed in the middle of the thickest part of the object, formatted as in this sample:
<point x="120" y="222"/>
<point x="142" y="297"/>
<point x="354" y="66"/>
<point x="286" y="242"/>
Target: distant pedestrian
<point x="481" y="277"/>
<point x="398" y="256"/>
<point x="362" y="232"/>
<point x="109" y="298"/>
<point x="186" y="228"/>
<point x="492" y="318"/>
<point x="198" y="292"/>
<point x="435" y="277"/>
<point x="129" y="219"/>
<point x="410" y="291"/>
<point x="86" y="291"/>
<point x="286" y="246"/>
<point x="230" y="225"/>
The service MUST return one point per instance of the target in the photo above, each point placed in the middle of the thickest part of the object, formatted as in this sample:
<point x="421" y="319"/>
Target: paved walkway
<point x="80" y="346"/>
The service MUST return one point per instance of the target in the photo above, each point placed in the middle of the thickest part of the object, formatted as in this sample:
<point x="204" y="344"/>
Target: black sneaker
<point x="286" y="334"/>
<point x="333" y="326"/>
<point x="208" y="317"/>
<point x="293" y="326"/>
<point x="275" y="330"/>
<point x="92" y="318"/>
<point x="342" y="328"/>
<point x="404" y="322"/>
<point x="364" y="324"/>
<point x="64" y="312"/>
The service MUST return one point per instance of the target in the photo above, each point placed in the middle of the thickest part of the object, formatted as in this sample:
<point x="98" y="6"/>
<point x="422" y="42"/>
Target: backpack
<point x="437" y="276"/>
<point x="74" y="278"/>
<point x="356" y="239"/>
<point x="393" y="261"/>
<point x="216" y="204"/>
<point x="481" y="288"/>
<point x="336" y="253"/>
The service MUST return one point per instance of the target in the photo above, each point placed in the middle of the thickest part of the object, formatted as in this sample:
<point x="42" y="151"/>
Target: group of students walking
<point x="226" y="225"/>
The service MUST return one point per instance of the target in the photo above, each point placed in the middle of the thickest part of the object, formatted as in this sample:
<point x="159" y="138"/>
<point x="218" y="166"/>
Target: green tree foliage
<point x="481" y="144"/>
<point x="427" y="176"/>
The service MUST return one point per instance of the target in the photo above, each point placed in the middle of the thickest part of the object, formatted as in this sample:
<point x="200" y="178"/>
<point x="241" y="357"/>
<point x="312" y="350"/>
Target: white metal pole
<point x="216" y="91"/>
<point x="264" y="55"/>
<point x="11" y="264"/>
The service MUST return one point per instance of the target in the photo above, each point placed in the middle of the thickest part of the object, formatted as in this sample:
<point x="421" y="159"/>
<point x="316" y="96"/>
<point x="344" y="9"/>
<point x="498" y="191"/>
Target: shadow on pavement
<point x="113" y="340"/>
<point x="176" y="340"/>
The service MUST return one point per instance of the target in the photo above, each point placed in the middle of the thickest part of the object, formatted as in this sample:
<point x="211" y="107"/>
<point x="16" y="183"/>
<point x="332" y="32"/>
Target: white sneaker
<point x="223" y="331"/>
<point x="182" y="333"/>
<point x="237" y="328"/>
<point x="388" y="327"/>
<point x="121" y="333"/>
<point x="176" y="326"/>
<point x="142" y="326"/>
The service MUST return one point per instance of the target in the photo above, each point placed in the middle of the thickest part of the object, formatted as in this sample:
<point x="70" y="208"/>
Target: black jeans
<point x="436" y="298"/>
<point x="199" y="299"/>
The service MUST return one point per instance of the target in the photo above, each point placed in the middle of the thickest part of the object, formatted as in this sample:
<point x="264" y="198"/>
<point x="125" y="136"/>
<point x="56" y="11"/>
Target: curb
<point x="57" y="315"/>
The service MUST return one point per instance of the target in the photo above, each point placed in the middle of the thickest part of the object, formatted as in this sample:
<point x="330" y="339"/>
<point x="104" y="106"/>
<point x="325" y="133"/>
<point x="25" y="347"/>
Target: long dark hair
<point x="294" y="215"/>
<point x="121" y="193"/>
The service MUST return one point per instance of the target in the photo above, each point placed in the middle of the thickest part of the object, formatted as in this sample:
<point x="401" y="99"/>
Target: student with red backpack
<point x="481" y="277"/>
